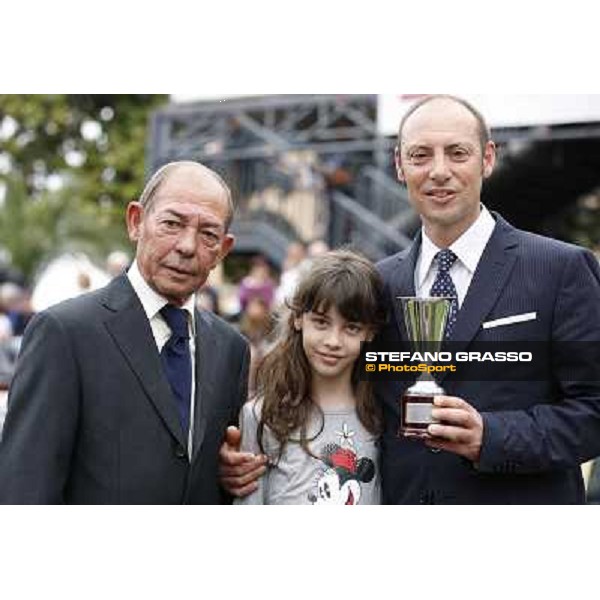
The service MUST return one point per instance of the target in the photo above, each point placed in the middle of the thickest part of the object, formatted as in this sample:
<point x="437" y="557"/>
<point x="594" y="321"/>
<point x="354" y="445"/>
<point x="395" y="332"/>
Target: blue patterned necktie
<point x="443" y="286"/>
<point x="177" y="362"/>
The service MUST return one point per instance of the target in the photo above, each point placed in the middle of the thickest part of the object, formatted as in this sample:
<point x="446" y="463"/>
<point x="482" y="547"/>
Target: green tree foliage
<point x="73" y="162"/>
<point x="33" y="230"/>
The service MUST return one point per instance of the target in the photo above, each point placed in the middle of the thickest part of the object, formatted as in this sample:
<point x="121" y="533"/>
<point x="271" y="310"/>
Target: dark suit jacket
<point x="91" y="417"/>
<point x="536" y="432"/>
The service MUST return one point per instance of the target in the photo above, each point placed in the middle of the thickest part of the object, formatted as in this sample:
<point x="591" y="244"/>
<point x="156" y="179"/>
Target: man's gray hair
<point x="150" y="190"/>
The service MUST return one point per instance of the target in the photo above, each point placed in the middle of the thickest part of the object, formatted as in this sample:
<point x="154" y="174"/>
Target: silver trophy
<point x="425" y="320"/>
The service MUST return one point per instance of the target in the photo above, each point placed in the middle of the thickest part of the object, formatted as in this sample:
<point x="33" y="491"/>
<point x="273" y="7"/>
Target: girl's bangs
<point x="352" y="297"/>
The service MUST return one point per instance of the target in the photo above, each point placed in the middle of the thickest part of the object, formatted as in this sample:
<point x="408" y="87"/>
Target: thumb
<point x="233" y="437"/>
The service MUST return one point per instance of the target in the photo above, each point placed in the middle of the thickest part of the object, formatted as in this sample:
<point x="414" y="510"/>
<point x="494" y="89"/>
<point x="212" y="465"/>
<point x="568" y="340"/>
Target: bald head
<point x="207" y="178"/>
<point x="483" y="130"/>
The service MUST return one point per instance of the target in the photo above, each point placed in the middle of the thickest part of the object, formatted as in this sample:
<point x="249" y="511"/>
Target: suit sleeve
<point x="41" y="424"/>
<point x="234" y="416"/>
<point x="564" y="432"/>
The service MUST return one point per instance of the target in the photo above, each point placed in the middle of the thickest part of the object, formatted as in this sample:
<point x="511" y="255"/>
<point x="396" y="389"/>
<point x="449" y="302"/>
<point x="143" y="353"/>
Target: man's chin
<point x="447" y="215"/>
<point x="177" y="294"/>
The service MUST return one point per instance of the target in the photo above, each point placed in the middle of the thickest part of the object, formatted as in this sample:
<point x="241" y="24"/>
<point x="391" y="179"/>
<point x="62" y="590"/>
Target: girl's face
<point x="331" y="343"/>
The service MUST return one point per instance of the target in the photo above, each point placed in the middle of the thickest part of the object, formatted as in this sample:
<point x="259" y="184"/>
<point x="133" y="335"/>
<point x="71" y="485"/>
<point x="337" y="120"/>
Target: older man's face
<point x="181" y="237"/>
<point x="443" y="165"/>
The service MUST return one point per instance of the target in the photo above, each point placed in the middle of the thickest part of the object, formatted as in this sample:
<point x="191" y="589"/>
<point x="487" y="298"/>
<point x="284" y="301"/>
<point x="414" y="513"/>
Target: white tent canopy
<point x="62" y="279"/>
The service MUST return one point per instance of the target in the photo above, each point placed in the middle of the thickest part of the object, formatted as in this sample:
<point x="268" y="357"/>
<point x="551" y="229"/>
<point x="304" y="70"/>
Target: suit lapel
<point x="131" y="331"/>
<point x="489" y="280"/>
<point x="206" y="360"/>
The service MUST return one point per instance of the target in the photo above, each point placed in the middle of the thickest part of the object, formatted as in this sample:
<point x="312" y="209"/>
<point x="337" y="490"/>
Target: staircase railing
<point x="354" y="225"/>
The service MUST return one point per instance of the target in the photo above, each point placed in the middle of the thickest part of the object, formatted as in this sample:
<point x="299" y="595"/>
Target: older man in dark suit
<point x="496" y="441"/>
<point x="124" y="395"/>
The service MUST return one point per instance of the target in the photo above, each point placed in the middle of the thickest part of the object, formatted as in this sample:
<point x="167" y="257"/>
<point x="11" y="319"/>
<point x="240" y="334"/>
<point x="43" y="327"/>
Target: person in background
<point x="117" y="263"/>
<point x="6" y="328"/>
<point x="256" y="325"/>
<point x="258" y="282"/>
<point x="84" y="282"/>
<point x="293" y="267"/>
<point x="208" y="299"/>
<point x="317" y="248"/>
<point x="17" y="303"/>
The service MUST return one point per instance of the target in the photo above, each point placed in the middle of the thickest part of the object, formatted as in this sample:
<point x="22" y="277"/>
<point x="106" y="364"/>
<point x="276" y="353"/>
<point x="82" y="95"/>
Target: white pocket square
<point x="510" y="320"/>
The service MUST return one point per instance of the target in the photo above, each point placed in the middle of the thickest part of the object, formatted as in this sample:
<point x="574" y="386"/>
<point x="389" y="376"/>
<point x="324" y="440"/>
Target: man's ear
<point x="398" y="161"/>
<point x="226" y="246"/>
<point x="134" y="217"/>
<point x="489" y="159"/>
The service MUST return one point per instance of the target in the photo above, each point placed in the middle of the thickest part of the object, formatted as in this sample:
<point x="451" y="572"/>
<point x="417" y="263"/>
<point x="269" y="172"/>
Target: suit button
<point x="180" y="451"/>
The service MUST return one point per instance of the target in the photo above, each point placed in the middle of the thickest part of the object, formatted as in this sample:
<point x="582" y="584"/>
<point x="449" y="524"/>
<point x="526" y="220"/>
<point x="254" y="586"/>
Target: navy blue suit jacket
<point x="536" y="432"/>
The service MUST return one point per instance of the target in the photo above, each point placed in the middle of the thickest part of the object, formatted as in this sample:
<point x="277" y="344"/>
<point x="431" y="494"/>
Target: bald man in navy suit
<point x="496" y="442"/>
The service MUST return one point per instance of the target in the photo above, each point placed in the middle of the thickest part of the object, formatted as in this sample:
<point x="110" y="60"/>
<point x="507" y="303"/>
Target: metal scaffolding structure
<point x="247" y="138"/>
<point x="252" y="128"/>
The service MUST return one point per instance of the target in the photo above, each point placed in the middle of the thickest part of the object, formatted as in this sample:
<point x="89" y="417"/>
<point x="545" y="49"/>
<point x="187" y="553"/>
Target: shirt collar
<point x="428" y="252"/>
<point x="468" y="247"/>
<point x="153" y="302"/>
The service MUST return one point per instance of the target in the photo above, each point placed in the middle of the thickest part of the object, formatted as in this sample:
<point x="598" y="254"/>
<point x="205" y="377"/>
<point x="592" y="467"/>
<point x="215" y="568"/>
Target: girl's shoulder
<point x="250" y="419"/>
<point x="252" y="410"/>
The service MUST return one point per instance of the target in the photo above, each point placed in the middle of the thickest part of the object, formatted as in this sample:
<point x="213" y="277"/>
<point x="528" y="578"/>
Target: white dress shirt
<point x="468" y="248"/>
<point x="152" y="302"/>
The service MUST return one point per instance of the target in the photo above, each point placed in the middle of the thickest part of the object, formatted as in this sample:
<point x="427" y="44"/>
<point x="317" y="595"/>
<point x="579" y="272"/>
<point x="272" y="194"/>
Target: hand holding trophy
<point x="425" y="320"/>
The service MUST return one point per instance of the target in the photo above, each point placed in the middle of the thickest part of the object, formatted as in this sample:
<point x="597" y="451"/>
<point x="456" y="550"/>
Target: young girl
<point x="313" y="417"/>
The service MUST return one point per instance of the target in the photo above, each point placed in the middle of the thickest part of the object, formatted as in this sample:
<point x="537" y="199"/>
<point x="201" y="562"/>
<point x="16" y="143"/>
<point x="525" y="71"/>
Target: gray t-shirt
<point x="346" y="472"/>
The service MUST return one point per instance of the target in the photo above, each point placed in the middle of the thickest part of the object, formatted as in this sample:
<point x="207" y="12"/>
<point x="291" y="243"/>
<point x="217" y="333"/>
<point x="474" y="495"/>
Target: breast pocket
<point x="526" y="326"/>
